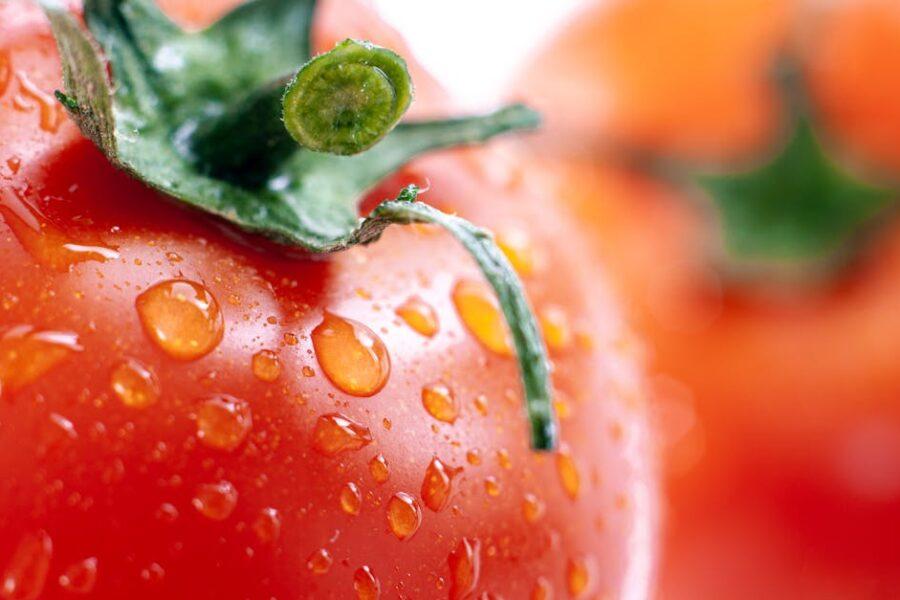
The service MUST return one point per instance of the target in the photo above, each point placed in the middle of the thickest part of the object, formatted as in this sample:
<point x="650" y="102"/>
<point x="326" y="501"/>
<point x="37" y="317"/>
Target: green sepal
<point x="169" y="82"/>
<point x="796" y="213"/>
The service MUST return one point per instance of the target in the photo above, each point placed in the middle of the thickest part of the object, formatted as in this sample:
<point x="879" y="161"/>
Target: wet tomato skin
<point x="176" y="435"/>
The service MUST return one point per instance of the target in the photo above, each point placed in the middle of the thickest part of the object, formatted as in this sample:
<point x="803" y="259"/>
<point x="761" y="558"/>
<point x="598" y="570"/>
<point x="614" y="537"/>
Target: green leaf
<point x="168" y="82"/>
<point x="196" y="116"/>
<point x="797" y="210"/>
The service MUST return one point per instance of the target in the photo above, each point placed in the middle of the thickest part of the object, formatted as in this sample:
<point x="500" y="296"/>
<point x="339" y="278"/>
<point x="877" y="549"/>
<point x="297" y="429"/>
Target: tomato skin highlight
<point x="777" y="404"/>
<point x="214" y="487"/>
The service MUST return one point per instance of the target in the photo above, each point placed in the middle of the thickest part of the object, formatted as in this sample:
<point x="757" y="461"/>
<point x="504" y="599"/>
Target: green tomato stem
<point x="530" y="349"/>
<point x="341" y="102"/>
<point x="346" y="100"/>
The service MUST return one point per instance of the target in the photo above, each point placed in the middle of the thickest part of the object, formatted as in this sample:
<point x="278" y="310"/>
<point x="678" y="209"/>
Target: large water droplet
<point x="351" y="499"/>
<point x="26" y="354"/>
<point x="134" y="384"/>
<point x="223" y="422"/>
<point x="440" y="402"/>
<point x="80" y="577"/>
<point x="465" y="568"/>
<point x="47" y="243"/>
<point x="352" y="356"/>
<point x="335" y="433"/>
<point x="403" y="515"/>
<point x="26" y="571"/>
<point x="182" y="318"/>
<point x="366" y="584"/>
<point x="419" y="315"/>
<point x="215" y="501"/>
<point x="266" y="365"/>
<point x="437" y="484"/>
<point x="479" y="310"/>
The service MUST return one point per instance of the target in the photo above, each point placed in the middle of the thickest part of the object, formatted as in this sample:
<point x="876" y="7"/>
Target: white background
<point x="474" y="47"/>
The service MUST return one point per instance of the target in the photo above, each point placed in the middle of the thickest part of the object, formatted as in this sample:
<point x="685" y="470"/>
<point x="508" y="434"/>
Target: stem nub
<point x="347" y="99"/>
<point x="341" y="102"/>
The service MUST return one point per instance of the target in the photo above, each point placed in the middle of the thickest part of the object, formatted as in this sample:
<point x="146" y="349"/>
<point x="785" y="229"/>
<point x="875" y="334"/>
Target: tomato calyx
<point x="219" y="120"/>
<point x="799" y="212"/>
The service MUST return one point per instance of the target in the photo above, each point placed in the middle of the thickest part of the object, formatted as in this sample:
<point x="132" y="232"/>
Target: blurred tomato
<point x="780" y="401"/>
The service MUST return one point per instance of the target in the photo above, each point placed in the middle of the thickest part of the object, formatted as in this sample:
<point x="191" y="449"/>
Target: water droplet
<point x="80" y="577"/>
<point x="215" y="501"/>
<point x="378" y="467"/>
<point x="492" y="486"/>
<point x="336" y="433"/>
<point x="64" y="428"/>
<point x="479" y="310"/>
<point x="351" y="499"/>
<point x="578" y="576"/>
<point x="556" y="328"/>
<point x="473" y="457"/>
<point x="290" y="339"/>
<point x="353" y="358"/>
<point x="568" y="472"/>
<point x="437" y="485"/>
<point x="404" y="515"/>
<point x="182" y="318"/>
<point x="366" y="584"/>
<point x="563" y="408"/>
<point x="481" y="404"/>
<point x="134" y="384"/>
<point x="308" y="371"/>
<point x="14" y="163"/>
<point x="542" y="590"/>
<point x="465" y="568"/>
<point x="167" y="513"/>
<point x="26" y="572"/>
<point x="319" y="562"/>
<point x="5" y="71"/>
<point x="153" y="573"/>
<point x="267" y="525"/>
<point x="266" y="365"/>
<point x="419" y="315"/>
<point x="533" y="508"/>
<point x="26" y="354"/>
<point x="50" y="110"/>
<point x="223" y="422"/>
<point x="440" y="402"/>
<point x="48" y="244"/>
<point x="516" y="244"/>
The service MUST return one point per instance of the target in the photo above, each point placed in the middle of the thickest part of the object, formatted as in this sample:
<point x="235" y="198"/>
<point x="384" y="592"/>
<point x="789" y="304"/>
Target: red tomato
<point x="188" y="412"/>
<point x="780" y="403"/>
